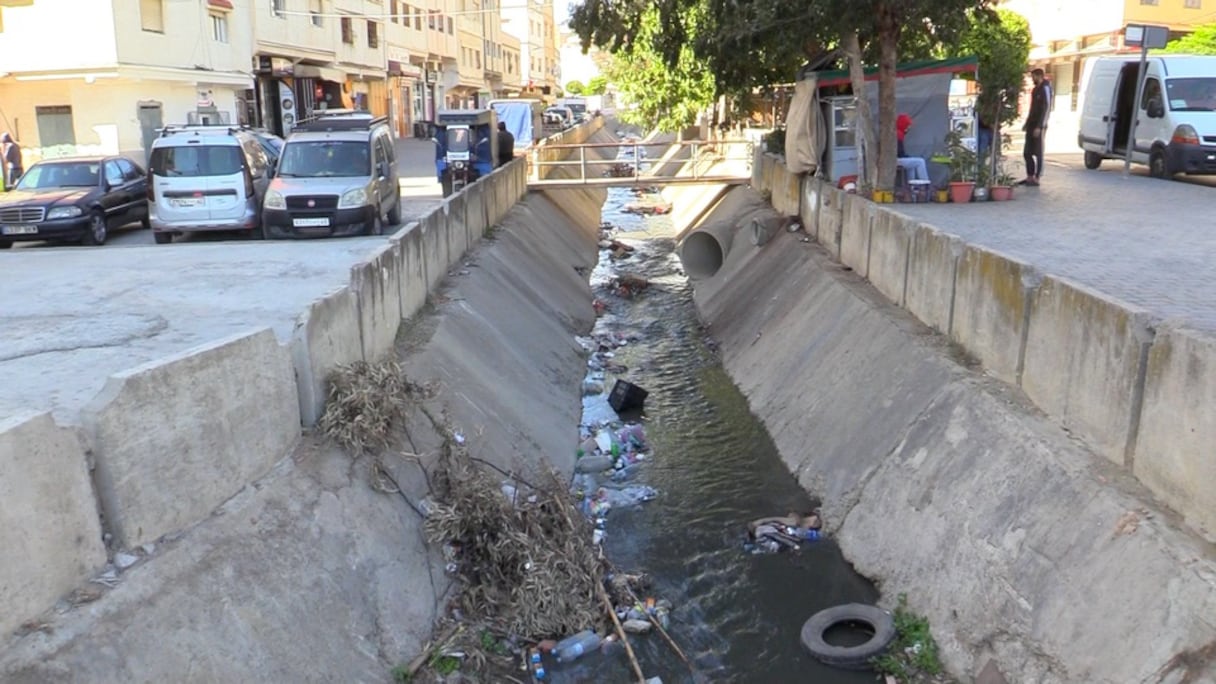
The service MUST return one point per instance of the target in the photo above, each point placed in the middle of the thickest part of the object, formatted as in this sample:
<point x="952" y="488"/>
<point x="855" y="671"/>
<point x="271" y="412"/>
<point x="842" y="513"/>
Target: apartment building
<point x="512" y="65"/>
<point x="469" y="89"/>
<point x="532" y="23"/>
<point x="117" y="70"/>
<point x="406" y="54"/>
<point x="1067" y="33"/>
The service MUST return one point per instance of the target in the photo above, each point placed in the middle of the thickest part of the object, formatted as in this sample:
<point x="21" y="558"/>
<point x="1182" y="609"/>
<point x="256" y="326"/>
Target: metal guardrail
<point x="638" y="170"/>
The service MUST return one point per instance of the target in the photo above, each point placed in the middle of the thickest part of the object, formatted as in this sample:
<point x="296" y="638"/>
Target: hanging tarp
<point x="804" y="131"/>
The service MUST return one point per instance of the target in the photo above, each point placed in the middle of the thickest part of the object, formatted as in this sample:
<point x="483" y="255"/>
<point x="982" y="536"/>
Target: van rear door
<point x="1097" y="110"/>
<point x="198" y="182"/>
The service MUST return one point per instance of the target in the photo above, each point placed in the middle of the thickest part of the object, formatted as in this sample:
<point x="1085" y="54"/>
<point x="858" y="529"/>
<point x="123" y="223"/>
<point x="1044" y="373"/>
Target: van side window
<point x="389" y="149"/>
<point x="378" y="152"/>
<point x="1152" y="89"/>
<point x="255" y="157"/>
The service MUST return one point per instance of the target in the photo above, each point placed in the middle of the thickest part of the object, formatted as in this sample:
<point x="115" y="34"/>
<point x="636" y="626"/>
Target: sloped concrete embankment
<point x="250" y="565"/>
<point x="1022" y="545"/>
<point x="1137" y="389"/>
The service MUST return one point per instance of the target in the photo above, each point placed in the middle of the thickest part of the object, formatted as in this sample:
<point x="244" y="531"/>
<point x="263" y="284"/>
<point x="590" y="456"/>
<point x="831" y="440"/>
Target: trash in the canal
<point x="629" y="284"/>
<point x="573" y="647"/>
<point x="624" y="497"/>
<point x="626" y="396"/>
<point x="647" y="209"/>
<point x="770" y="535"/>
<point x="637" y="626"/>
<point x="593" y="464"/>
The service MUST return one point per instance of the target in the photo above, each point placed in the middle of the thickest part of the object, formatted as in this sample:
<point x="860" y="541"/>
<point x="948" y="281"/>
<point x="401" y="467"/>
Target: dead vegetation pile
<point x="366" y="403"/>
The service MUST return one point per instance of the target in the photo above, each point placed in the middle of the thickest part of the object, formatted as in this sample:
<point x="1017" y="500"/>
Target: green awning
<point x="955" y="65"/>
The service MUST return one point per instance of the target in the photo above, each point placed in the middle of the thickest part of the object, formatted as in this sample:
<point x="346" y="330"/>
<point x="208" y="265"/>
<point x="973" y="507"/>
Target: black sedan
<point x="74" y="200"/>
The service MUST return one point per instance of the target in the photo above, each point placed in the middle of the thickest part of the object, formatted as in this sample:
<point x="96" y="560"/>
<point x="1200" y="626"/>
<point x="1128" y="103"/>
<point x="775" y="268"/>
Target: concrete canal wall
<point x="168" y="445"/>
<point x="949" y="464"/>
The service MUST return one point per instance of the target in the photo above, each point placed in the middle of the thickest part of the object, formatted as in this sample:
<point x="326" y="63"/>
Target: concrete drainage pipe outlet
<point x="705" y="249"/>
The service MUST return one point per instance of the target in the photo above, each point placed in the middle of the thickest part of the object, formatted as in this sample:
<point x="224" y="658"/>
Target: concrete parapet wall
<point x="932" y="265"/>
<point x="1175" y="449"/>
<point x="175" y="438"/>
<point x="812" y="193"/>
<point x="857" y="217"/>
<point x="49" y="528"/>
<point x="376" y="284"/>
<point x="412" y="269"/>
<point x="991" y="310"/>
<point x="831" y="216"/>
<point x="890" y="237"/>
<point x="326" y="336"/>
<point x="1083" y="361"/>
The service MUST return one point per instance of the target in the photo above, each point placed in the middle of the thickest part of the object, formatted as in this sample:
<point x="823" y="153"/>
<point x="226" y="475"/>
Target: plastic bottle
<point x="538" y="668"/>
<point x="571" y="648"/>
<point x="811" y="535"/>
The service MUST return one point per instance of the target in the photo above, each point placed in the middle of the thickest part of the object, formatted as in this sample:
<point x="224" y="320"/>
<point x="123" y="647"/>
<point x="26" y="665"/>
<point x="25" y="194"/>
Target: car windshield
<point x="1196" y="94"/>
<point x="60" y="175"/>
<point x="196" y="160"/>
<point x="458" y="139"/>
<point x="311" y="159"/>
<point x="578" y="109"/>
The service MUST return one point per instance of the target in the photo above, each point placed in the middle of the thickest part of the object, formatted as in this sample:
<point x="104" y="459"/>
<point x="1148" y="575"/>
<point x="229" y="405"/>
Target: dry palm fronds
<point x="528" y="567"/>
<point x="366" y="401"/>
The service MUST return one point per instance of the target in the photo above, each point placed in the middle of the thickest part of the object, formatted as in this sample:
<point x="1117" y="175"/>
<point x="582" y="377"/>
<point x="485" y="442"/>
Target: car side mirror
<point x="1156" y="109"/>
<point x="385" y="169"/>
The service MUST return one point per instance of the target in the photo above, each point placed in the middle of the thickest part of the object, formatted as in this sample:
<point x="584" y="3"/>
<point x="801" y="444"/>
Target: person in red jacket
<point x="914" y="167"/>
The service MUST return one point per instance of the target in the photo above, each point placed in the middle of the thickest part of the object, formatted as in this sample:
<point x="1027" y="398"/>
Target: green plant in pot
<point x="963" y="168"/>
<point x="1002" y="183"/>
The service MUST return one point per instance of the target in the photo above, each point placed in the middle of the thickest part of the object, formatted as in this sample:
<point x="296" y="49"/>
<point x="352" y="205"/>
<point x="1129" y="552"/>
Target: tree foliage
<point x="575" y="87"/>
<point x="1201" y="42"/>
<point x="597" y="85"/>
<point x="659" y="96"/>
<point x="1001" y="41"/>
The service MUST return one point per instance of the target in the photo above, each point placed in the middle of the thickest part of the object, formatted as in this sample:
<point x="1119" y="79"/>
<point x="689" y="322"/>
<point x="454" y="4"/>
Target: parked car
<point x="79" y="199"/>
<point x="1176" y="114"/>
<point x="559" y="116"/>
<point x="206" y="178"/>
<point x="271" y="144"/>
<point x="337" y="177"/>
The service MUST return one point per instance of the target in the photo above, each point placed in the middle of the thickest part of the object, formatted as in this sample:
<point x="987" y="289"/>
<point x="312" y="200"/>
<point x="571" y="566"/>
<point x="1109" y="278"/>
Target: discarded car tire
<point x="848" y="657"/>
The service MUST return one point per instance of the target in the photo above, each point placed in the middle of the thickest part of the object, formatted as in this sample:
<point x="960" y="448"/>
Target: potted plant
<point x="1002" y="184"/>
<point x="962" y="168"/>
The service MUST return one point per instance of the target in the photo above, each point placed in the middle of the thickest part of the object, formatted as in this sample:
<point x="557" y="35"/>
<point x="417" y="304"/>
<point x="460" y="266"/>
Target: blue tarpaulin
<point x="518" y="118"/>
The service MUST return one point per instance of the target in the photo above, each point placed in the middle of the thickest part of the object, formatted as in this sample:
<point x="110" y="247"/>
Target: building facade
<point x="533" y="25"/>
<point x="1066" y="34"/>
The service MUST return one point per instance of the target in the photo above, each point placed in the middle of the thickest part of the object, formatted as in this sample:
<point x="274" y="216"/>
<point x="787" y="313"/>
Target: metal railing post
<point x="582" y="162"/>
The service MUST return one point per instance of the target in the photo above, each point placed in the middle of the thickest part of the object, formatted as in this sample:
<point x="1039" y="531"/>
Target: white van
<point x="206" y="178"/>
<point x="337" y="176"/>
<point x="1176" y="132"/>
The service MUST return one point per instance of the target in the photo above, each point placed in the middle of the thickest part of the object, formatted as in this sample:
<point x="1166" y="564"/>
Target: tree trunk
<point x="868" y="166"/>
<point x="888" y="38"/>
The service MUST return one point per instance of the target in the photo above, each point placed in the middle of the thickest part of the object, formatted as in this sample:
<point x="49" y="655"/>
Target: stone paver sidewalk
<point x="1149" y="242"/>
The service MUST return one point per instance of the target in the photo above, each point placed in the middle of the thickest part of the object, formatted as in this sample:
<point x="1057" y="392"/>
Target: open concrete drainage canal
<point x="735" y="614"/>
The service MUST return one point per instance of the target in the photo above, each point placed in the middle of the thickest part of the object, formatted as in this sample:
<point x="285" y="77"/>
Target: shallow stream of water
<point x="737" y="616"/>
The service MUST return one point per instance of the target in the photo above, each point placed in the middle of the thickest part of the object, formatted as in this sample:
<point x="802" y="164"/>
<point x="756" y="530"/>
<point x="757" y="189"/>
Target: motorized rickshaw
<point x="466" y="146"/>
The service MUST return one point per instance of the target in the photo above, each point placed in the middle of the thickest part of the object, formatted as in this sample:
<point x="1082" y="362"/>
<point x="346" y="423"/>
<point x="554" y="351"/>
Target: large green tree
<point x="662" y="96"/>
<point x="1201" y="42"/>
<point x="745" y="43"/>
<point x="1001" y="41"/>
<point x="575" y="87"/>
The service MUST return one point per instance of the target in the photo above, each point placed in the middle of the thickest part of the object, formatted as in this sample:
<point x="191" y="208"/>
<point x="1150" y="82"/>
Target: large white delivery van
<point x="1176" y="132"/>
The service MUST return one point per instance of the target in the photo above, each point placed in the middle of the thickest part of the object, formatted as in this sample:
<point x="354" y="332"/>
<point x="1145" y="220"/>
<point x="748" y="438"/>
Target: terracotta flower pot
<point x="960" y="192"/>
<point x="1001" y="193"/>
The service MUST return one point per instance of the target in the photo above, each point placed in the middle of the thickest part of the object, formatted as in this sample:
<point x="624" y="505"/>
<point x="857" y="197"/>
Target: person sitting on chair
<point x="914" y="167"/>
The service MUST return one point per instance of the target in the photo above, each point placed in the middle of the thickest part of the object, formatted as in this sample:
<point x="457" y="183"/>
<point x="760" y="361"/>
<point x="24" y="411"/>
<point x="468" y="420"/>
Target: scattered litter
<point x="637" y="626"/>
<point x="626" y="396"/>
<point x="647" y="209"/>
<point x="84" y="595"/>
<point x="109" y="578"/>
<point x="125" y="560"/>
<point x="629" y="284"/>
<point x="593" y="464"/>
<point x="1128" y="523"/>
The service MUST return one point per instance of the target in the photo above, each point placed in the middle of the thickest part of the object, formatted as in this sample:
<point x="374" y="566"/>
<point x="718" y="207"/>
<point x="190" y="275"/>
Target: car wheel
<point x="1157" y="165"/>
<point x="394" y="214"/>
<point x="1092" y="160"/>
<point x="5" y="245"/>
<point x="97" y="232"/>
<point x="145" y="222"/>
<point x="162" y="238"/>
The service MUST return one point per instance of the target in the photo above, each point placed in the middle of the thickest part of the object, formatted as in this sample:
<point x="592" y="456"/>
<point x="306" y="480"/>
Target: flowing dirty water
<point x="737" y="616"/>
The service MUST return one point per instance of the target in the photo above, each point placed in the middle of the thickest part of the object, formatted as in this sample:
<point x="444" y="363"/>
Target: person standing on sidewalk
<point x="13" y="168"/>
<point x="1036" y="127"/>
<point x="506" y="144"/>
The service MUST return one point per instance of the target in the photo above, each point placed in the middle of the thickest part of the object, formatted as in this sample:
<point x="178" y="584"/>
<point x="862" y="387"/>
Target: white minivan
<point x="1176" y="132"/>
<point x="206" y="178"/>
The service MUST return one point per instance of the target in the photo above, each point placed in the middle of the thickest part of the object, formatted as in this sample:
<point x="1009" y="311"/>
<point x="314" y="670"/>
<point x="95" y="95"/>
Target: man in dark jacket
<point x="1036" y="127"/>
<point x="13" y="168"/>
<point x="506" y="145"/>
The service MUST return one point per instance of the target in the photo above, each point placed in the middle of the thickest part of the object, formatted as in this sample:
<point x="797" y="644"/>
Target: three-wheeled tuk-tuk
<point x="466" y="144"/>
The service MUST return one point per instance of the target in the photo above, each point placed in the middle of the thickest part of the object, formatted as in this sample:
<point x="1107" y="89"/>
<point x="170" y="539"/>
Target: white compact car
<point x="206" y="178"/>
<point x="337" y="176"/>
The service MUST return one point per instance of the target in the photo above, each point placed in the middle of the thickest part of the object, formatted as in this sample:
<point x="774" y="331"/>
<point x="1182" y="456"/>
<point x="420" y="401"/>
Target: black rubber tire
<point x="1092" y="160"/>
<point x="145" y="222"/>
<point x="394" y="214"/>
<point x="850" y="657"/>
<point x="97" y="232"/>
<point x="5" y="245"/>
<point x="162" y="238"/>
<point x="1158" y="166"/>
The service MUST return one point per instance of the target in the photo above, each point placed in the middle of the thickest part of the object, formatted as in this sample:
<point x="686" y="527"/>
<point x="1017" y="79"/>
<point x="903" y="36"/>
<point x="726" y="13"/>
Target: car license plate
<point x="184" y="202"/>
<point x="310" y="222"/>
<point x="19" y="230"/>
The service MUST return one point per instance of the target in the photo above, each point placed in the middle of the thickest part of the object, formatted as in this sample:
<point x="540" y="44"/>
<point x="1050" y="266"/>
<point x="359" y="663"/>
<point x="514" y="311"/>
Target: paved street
<point x="1149" y="242"/>
<point x="420" y="191"/>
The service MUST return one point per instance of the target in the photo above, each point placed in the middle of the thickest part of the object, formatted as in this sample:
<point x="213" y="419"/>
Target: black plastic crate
<point x="626" y="396"/>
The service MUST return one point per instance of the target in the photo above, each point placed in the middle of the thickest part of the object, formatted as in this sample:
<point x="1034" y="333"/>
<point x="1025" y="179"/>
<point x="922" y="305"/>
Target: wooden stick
<point x="620" y="631"/>
<point x="668" y="639"/>
<point x="425" y="657"/>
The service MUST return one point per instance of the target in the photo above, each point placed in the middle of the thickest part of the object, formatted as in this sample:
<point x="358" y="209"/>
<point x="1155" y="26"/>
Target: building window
<point x="393" y="12"/>
<point x="219" y="27"/>
<point x="451" y="31"/>
<point x="417" y="18"/>
<point x="1148" y="2"/>
<point x="315" y="11"/>
<point x="55" y="126"/>
<point x="430" y="19"/>
<point x="373" y="34"/>
<point x="348" y="31"/>
<point x="479" y="59"/>
<point x="277" y="8"/>
<point x="152" y="15"/>
<point x="1194" y="4"/>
